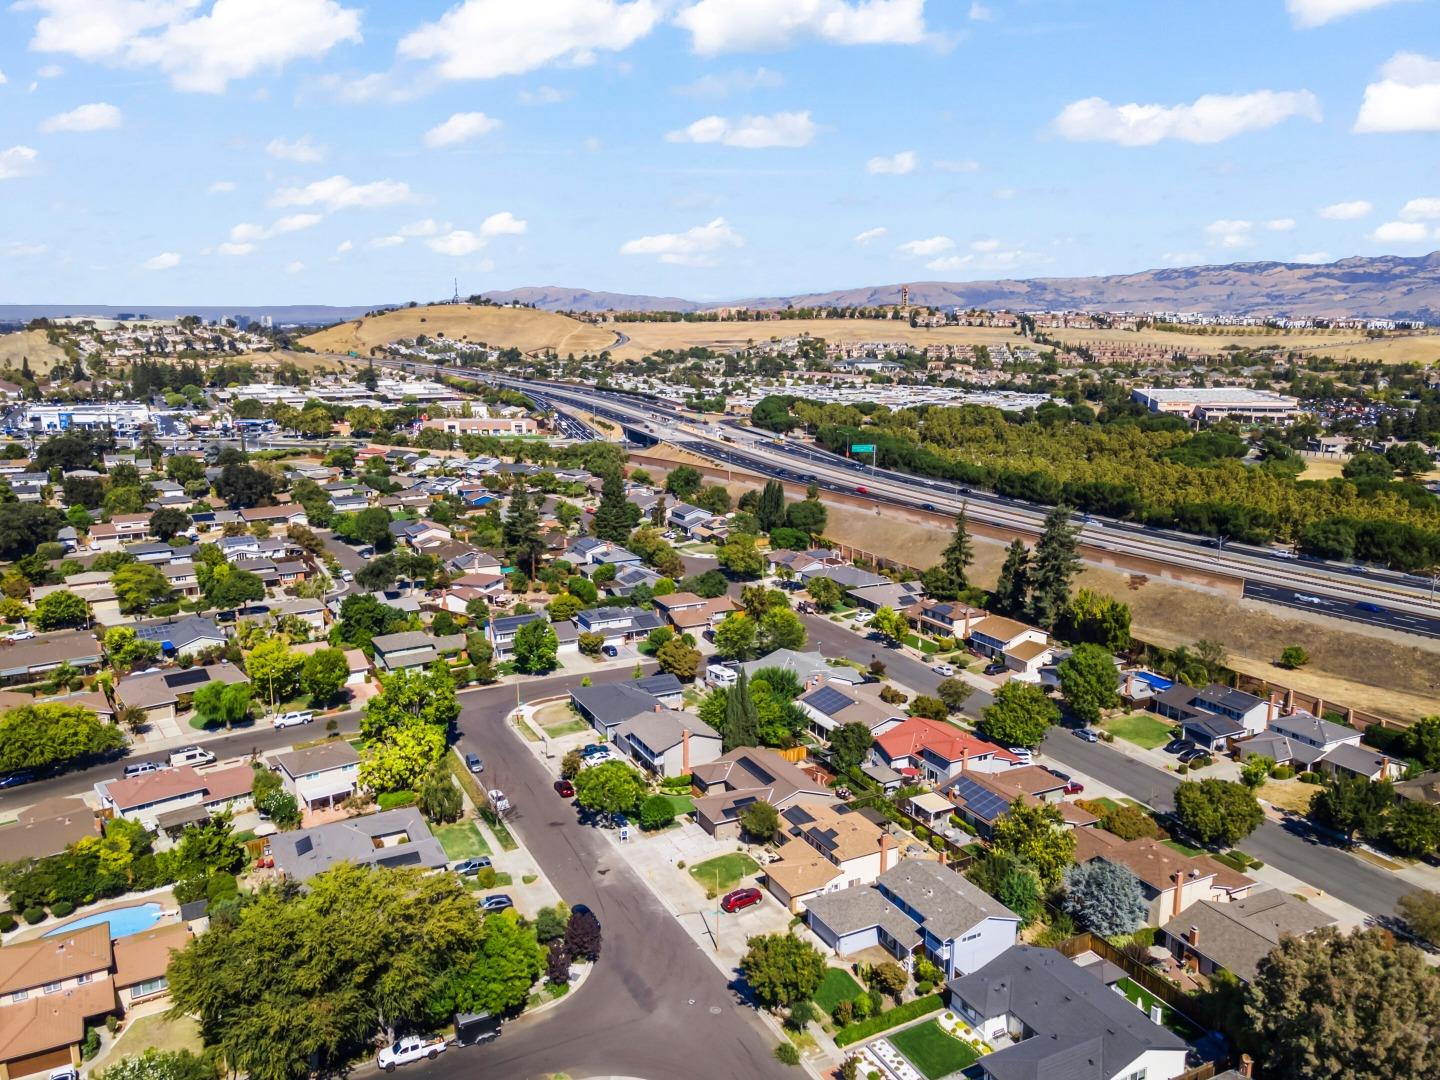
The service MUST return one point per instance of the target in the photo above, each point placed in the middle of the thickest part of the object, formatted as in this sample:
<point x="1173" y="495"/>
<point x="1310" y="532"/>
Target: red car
<point x="1074" y="787"/>
<point x="739" y="900"/>
<point x="861" y="489"/>
<point x="565" y="789"/>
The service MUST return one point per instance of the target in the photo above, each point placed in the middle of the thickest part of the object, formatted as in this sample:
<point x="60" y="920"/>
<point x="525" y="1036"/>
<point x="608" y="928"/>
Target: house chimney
<point x="965" y="633"/>
<point x="1194" y="936"/>
<point x="1320" y="708"/>
<point x="1270" y="710"/>
<point x="964" y="758"/>
<point x="685" y="750"/>
<point x="1350" y="716"/>
<point x="1247" y="1065"/>
<point x="1289" y="701"/>
<point x="884" y="850"/>
<point x="1179" y="904"/>
<point x="1130" y="684"/>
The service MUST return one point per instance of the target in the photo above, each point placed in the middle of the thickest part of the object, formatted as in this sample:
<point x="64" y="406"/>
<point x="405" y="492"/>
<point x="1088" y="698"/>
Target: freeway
<point x="1376" y="614"/>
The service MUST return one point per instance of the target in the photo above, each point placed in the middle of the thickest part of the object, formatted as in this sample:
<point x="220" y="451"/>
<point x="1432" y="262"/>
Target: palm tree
<point x="133" y="719"/>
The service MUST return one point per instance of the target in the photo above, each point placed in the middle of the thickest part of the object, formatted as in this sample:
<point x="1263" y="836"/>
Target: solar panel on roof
<point x="797" y="815"/>
<point x="304" y="845"/>
<point x="829" y="700"/>
<point x="192" y="677"/>
<point x="981" y="801"/>
<point x="405" y="858"/>
<point x="826" y="838"/>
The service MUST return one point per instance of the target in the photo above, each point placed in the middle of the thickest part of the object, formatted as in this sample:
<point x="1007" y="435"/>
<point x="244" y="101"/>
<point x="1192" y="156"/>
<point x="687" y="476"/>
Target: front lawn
<point x="931" y="1050"/>
<point x="835" y="987"/>
<point x="461" y="840"/>
<point x="681" y="804"/>
<point x="1183" y="848"/>
<point x="1139" y="728"/>
<point x="732" y="868"/>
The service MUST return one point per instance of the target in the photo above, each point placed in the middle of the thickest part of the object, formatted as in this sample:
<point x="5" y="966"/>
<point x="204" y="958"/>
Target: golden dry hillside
<point x="520" y="328"/>
<point x="14" y="348"/>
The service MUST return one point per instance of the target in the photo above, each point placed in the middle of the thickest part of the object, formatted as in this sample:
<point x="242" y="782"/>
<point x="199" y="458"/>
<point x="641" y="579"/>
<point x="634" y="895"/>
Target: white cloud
<point x="1427" y="209"/>
<point x="18" y="249"/>
<point x="385" y="242"/>
<point x="97" y="116"/>
<point x="245" y="234"/>
<point x="895" y="165"/>
<point x="460" y="128"/>
<point x="733" y="82"/>
<point x="344" y="246"/>
<point x="294" y="267"/>
<point x="220" y="187"/>
<point x="985" y="246"/>
<point x="1209" y="119"/>
<point x="871" y="234"/>
<point x="1283" y="224"/>
<point x="950" y="262"/>
<point x="485" y="39"/>
<point x="17" y="161"/>
<point x="1401" y="232"/>
<point x="459" y="242"/>
<point x="503" y="224"/>
<point x="203" y="53"/>
<point x="935" y="245"/>
<point x="1347" y="211"/>
<point x="423" y="227"/>
<point x="1313" y="257"/>
<point x="1231" y="233"/>
<point x="699" y="246"/>
<point x="1407" y="97"/>
<point x="980" y="12"/>
<point x="3" y="79"/>
<point x="301" y="150"/>
<point x="718" y="26"/>
<point x="785" y="129"/>
<point x="961" y="166"/>
<point x="235" y="249"/>
<point x="164" y="261"/>
<point x="543" y="95"/>
<point x="1310" y="13"/>
<point x="339" y="192"/>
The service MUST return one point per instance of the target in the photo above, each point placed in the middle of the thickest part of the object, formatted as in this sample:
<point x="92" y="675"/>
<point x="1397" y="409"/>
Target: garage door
<point x="39" y="1063"/>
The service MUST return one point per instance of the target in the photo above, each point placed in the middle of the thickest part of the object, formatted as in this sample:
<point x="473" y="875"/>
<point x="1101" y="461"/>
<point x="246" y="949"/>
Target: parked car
<point x="410" y="1048"/>
<point x="1023" y="754"/>
<point x="565" y="789"/>
<point x="740" y="899"/>
<point x="1193" y="755"/>
<point x="593" y="748"/>
<point x="1086" y="734"/>
<point x="498" y="902"/>
<point x="140" y="768"/>
<point x="610" y="651"/>
<point x="943" y="670"/>
<point x="21" y="635"/>
<point x="474" y="764"/>
<point x="1178" y="746"/>
<point x="862" y="617"/>
<point x="346" y="575"/>
<point x="1074" y="787"/>
<point x="15" y="779"/>
<point x="498" y="802"/>
<point x="293" y="719"/>
<point x="190" y="755"/>
<point x="995" y="669"/>
<point x="471" y="867"/>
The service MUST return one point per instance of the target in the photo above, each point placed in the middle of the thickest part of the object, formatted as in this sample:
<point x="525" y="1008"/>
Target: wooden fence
<point x="1185" y="1004"/>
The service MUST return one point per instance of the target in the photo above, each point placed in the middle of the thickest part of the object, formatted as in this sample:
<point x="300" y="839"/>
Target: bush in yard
<point x="571" y="764"/>
<point x="786" y="1054"/>
<point x="1129" y="823"/>
<point x="582" y="935"/>
<point x="7" y="922"/>
<point x="61" y="908"/>
<point x="781" y="969"/>
<point x="901" y="1014"/>
<point x="889" y="978"/>
<point x="551" y="922"/>
<point x="33" y="915"/>
<point x="801" y="1014"/>
<point x="1292" y="657"/>
<point x="656" y="812"/>
<point x="557" y="963"/>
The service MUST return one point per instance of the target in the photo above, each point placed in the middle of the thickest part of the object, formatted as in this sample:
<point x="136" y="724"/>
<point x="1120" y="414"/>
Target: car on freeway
<point x="474" y="763"/>
<point x="861" y="489"/>
<point x="927" y="506"/>
<point x="292" y="719"/>
<point x="610" y="651"/>
<point x="140" y="768"/>
<point x="1284" y="553"/>
<point x="498" y="902"/>
<point x="1086" y="735"/>
<point x="740" y="899"/>
<point x="1306" y="598"/>
<point x="1023" y="754"/>
<point x="943" y="670"/>
<point x="1366" y="605"/>
<point x="471" y="867"/>
<point x="565" y="789"/>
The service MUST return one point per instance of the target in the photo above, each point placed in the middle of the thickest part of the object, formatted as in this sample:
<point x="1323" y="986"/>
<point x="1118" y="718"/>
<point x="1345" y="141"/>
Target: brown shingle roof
<point x="142" y="957"/>
<point x="52" y="959"/>
<point x="51" y="1021"/>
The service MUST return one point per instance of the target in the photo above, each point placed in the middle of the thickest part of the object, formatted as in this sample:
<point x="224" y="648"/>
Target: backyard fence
<point x="1148" y="980"/>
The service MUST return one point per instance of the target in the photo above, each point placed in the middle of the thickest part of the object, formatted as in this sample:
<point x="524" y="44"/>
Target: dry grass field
<point x="645" y="338"/>
<point x="520" y="328"/>
<point x="1409" y="349"/>
<point x="32" y="344"/>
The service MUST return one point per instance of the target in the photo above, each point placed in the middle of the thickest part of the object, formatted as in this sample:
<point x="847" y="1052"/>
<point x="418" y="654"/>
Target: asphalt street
<point x="654" y="1007"/>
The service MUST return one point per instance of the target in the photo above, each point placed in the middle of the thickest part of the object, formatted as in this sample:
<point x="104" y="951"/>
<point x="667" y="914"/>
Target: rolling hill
<point x="526" y="329"/>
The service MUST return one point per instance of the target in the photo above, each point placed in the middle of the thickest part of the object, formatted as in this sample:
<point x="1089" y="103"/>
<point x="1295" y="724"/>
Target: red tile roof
<point x="943" y="740"/>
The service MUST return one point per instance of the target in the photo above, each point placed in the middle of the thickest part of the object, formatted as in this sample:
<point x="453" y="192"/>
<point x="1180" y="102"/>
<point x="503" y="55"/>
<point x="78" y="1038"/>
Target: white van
<point x="190" y="755"/>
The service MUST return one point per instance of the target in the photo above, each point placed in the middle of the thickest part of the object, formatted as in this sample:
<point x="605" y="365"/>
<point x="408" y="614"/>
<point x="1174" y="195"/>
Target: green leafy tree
<point x="781" y="968"/>
<point x="736" y="637"/>
<point x="1020" y="715"/>
<point x="1217" y="811"/>
<point x="1330" y="1006"/>
<point x="535" y="648"/>
<point x="523" y="539"/>
<point x="683" y="482"/>
<point x="167" y="522"/>
<point x="156" y="1064"/>
<point x="616" y="516"/>
<point x="954" y="693"/>
<point x="440" y="800"/>
<point x="218" y="703"/>
<point x="1422" y="742"/>
<point x="656" y="812"/>
<point x="950" y="577"/>
<point x="742" y="719"/>
<point x="499" y="977"/>
<point x="849" y="743"/>
<point x="427" y="696"/>
<point x="1012" y="591"/>
<point x="59" y="609"/>
<point x="408" y="752"/>
<point x="679" y="659"/>
<point x="139" y="587"/>
<point x="770" y="508"/>
<point x="1055" y="563"/>
<point x="824" y="592"/>
<point x="36" y="736"/>
<point x="889" y="624"/>
<point x="1098" y="619"/>
<point x="126" y="651"/>
<point x="808" y="516"/>
<point x="611" y="787"/>
<point x="1353" y="804"/>
<point x="1088" y="681"/>
<point x="760" y="820"/>
<point x="243" y="485"/>
<point x="235" y="588"/>
<point x="1037" y="835"/>
<point x="1421" y="911"/>
<point x="780" y="628"/>
<point x="275" y="670"/>
<point x="1413" y="828"/>
<point x="324" y="675"/>
<point x="1256" y="771"/>
<point x="1293" y="656"/>
<point x="741" y="557"/>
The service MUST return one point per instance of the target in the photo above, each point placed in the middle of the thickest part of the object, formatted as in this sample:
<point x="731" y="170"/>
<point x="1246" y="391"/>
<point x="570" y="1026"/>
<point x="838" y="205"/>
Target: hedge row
<point x="901" y="1014"/>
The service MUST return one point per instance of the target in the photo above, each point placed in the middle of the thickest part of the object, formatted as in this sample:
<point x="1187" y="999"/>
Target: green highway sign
<point x="862" y="448"/>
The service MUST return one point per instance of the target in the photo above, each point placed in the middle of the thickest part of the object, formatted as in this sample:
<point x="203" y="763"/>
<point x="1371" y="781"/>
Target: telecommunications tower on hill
<point x="904" y="297"/>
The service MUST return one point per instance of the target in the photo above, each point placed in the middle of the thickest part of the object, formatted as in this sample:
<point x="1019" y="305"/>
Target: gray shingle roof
<point x="1238" y="934"/>
<point x="949" y="902"/>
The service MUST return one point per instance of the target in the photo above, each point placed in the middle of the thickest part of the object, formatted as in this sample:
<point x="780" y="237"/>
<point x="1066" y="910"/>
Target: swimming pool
<point x="1157" y="683"/>
<point x="123" y="921"/>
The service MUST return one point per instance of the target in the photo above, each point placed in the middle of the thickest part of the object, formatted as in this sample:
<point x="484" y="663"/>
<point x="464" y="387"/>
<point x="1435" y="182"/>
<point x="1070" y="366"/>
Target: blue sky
<point x="336" y="151"/>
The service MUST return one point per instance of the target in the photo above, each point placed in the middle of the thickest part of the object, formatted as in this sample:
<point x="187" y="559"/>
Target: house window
<point x="52" y="988"/>
<point x="971" y="937"/>
<point x="81" y="980"/>
<point x="154" y="986"/>
<point x="20" y="995"/>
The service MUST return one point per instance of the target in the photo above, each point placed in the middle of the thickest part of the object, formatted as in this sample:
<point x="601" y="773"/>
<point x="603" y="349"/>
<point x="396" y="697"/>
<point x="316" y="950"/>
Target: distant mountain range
<point x="1386" y="286"/>
<point x="1383" y="287"/>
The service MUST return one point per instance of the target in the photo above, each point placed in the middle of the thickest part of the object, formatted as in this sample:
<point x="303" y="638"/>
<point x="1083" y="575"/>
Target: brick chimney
<point x="685" y="750"/>
<point x="1320" y="708"/>
<point x="1270" y="710"/>
<point x="1178" y="904"/>
<point x="1193" y="936"/>
<point x="964" y="759"/>
<point x="1247" y="1065"/>
<point x="965" y="632"/>
<point x="1289" y="702"/>
<point x="1130" y="684"/>
<point x="884" y="850"/>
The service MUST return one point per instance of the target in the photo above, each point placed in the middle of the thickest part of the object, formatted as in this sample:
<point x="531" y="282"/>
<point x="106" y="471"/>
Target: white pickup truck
<point x="410" y="1048"/>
